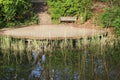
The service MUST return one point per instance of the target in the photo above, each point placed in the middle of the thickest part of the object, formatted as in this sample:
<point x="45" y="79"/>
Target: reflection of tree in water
<point x="44" y="71"/>
<point x="55" y="67"/>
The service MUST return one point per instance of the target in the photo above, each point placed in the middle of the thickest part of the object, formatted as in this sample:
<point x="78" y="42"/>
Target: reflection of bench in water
<point x="68" y="19"/>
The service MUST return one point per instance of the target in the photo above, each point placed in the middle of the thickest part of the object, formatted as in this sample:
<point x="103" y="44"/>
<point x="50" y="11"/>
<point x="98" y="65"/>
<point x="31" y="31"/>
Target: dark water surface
<point x="85" y="63"/>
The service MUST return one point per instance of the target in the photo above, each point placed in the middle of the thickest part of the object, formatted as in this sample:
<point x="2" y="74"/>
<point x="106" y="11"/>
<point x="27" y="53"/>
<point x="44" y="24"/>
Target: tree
<point x="13" y="11"/>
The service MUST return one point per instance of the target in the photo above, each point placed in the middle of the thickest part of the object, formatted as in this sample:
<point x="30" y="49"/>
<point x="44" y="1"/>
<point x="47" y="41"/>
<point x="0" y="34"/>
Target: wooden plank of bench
<point x="69" y="19"/>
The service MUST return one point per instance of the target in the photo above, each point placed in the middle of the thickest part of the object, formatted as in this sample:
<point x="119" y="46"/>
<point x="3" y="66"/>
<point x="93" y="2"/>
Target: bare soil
<point x="53" y="32"/>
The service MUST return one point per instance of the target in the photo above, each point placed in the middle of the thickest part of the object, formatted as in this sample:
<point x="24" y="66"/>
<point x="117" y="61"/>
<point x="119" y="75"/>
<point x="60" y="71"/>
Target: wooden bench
<point x="67" y="19"/>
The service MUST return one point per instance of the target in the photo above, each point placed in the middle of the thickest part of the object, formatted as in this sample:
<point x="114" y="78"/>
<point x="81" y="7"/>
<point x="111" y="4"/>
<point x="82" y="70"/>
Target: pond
<point x="92" y="60"/>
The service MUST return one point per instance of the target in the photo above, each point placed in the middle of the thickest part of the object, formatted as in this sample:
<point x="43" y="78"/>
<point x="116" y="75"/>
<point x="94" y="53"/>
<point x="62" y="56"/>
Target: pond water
<point x="93" y="62"/>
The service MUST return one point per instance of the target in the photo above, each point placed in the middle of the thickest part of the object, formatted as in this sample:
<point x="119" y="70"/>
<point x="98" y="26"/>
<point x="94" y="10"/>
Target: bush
<point x="76" y="8"/>
<point x="101" y="0"/>
<point x="111" y="18"/>
<point x="14" y="11"/>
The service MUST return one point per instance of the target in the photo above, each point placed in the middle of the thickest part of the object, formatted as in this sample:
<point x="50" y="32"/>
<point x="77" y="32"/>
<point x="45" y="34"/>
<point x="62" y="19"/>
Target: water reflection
<point x="98" y="66"/>
<point x="43" y="58"/>
<point x="37" y="71"/>
<point x="113" y="74"/>
<point x="61" y="65"/>
<point x="40" y="72"/>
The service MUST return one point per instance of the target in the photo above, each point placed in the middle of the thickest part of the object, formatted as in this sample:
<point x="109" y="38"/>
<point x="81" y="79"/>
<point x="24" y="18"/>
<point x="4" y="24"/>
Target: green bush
<point x="111" y="18"/>
<point x="76" y="8"/>
<point x="14" y="11"/>
<point x="101" y="0"/>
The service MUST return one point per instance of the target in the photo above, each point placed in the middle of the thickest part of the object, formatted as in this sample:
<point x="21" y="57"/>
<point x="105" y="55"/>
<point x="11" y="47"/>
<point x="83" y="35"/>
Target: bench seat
<point x="68" y="19"/>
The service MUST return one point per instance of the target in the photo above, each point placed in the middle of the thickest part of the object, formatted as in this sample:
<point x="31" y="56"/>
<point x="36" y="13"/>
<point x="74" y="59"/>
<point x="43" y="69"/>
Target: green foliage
<point x="113" y="2"/>
<point x="111" y="18"/>
<point x="86" y="15"/>
<point x="14" y="12"/>
<point x="76" y="8"/>
<point x="114" y="55"/>
<point x="110" y="2"/>
<point x="101" y="0"/>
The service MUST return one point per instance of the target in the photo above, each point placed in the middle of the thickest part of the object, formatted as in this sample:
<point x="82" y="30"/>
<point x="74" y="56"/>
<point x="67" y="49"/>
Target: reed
<point x="81" y="55"/>
<point x="5" y="42"/>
